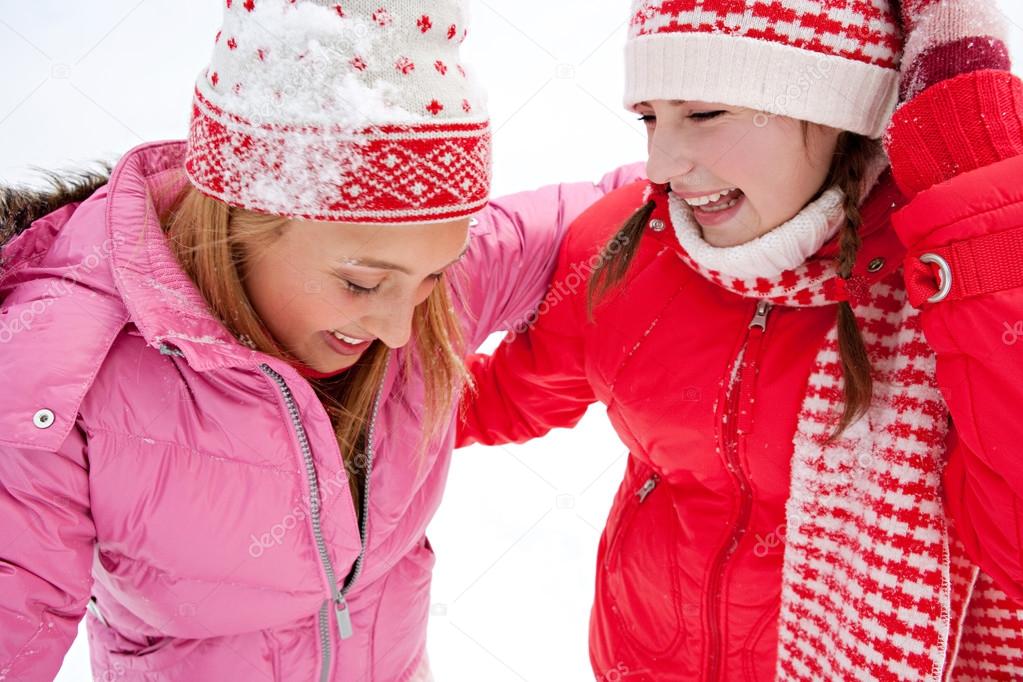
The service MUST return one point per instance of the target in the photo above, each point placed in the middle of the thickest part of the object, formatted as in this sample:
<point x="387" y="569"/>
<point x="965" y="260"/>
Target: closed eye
<point x="696" y="115"/>
<point x="356" y="289"/>
<point x="362" y="291"/>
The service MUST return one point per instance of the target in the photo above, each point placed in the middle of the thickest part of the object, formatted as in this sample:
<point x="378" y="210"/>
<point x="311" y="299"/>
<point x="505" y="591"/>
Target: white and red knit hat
<point x="354" y="111"/>
<point x="833" y="62"/>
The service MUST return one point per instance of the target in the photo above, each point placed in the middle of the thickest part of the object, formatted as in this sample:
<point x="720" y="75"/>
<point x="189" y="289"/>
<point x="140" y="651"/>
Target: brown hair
<point x="213" y="243"/>
<point x="852" y="155"/>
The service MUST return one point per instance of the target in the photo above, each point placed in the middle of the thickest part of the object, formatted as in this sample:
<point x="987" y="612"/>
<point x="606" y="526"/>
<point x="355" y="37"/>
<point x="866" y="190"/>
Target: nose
<point x="392" y="323"/>
<point x="667" y="158"/>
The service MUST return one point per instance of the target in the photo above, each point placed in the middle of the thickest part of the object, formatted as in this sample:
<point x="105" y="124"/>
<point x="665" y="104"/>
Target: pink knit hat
<point x="833" y="62"/>
<point x="355" y="111"/>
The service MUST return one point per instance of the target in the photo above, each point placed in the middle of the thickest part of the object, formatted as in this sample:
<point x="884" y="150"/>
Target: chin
<point x="724" y="243"/>
<point x="741" y="234"/>
<point x="335" y="363"/>
<point x="726" y="236"/>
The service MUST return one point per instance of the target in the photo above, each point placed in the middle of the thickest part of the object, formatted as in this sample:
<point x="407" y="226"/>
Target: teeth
<point x="708" y="198"/>
<point x="721" y="208"/>
<point x="348" y="339"/>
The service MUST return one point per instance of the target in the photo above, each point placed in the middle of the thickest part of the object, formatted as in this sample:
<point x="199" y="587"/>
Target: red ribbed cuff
<point x="955" y="126"/>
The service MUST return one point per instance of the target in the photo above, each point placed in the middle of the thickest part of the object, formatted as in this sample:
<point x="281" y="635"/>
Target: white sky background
<point x="517" y="534"/>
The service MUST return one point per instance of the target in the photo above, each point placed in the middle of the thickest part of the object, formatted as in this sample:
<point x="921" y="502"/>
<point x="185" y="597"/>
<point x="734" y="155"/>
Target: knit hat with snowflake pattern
<point x="354" y="111"/>
<point x="832" y="62"/>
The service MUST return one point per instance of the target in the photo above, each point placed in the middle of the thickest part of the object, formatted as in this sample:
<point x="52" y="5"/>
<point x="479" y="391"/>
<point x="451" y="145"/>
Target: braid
<point x="849" y="166"/>
<point x="614" y="262"/>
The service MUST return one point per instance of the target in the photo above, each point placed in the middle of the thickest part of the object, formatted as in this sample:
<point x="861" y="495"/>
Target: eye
<point x="705" y="115"/>
<point x="647" y="118"/>
<point x="356" y="289"/>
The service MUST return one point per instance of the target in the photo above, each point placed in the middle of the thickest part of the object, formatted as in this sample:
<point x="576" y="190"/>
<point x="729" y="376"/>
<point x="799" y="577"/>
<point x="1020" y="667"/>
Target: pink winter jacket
<point x="189" y="490"/>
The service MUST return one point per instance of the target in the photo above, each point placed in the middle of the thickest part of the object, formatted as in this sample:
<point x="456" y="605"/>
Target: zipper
<point x="341" y="614"/>
<point x="627" y="511"/>
<point x="747" y="382"/>
<point x="344" y="619"/>
<point x="736" y="422"/>
<point x="647" y="487"/>
<point x="93" y="607"/>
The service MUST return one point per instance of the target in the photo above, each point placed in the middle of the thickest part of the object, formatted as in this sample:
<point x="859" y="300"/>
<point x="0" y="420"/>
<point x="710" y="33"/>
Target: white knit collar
<point x="786" y="247"/>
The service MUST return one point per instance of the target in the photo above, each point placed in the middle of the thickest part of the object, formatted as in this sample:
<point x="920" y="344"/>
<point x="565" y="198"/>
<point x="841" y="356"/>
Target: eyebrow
<point x="384" y="265"/>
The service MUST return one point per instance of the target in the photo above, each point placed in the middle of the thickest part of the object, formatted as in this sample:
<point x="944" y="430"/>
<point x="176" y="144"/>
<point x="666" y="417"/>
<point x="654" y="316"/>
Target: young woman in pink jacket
<point x="810" y="348"/>
<point x="230" y="371"/>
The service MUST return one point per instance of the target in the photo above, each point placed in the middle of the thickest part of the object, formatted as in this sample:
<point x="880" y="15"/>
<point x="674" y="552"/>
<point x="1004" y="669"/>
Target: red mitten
<point x="961" y="108"/>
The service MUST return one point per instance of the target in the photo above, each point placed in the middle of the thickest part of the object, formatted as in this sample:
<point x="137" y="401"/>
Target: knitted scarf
<point x="874" y="585"/>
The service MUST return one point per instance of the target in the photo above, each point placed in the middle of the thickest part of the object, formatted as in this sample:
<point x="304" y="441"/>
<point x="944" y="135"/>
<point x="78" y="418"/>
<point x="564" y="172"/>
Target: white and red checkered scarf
<point x="874" y="585"/>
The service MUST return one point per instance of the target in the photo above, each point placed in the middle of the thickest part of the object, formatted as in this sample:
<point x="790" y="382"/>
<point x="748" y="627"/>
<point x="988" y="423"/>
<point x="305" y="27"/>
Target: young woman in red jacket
<point x="808" y="345"/>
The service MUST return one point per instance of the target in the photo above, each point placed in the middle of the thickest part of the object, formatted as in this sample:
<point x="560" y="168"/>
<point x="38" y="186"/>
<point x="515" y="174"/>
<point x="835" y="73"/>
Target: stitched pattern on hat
<point x="855" y="29"/>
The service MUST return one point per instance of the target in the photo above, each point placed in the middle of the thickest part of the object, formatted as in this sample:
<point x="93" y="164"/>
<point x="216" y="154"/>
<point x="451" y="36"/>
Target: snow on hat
<point x="358" y="111"/>
<point x="833" y="62"/>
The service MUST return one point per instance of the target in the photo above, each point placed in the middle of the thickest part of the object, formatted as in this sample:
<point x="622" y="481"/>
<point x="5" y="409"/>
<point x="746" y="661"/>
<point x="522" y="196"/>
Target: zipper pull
<point x="650" y="484"/>
<point x="94" y="609"/>
<point x="344" y="618"/>
<point x="760" y="318"/>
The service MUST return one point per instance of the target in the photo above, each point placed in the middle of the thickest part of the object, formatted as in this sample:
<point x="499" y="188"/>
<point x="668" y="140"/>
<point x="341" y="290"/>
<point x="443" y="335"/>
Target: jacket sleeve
<point x="46" y="551"/>
<point x="955" y="145"/>
<point x="513" y="246"/>
<point x="535" y="380"/>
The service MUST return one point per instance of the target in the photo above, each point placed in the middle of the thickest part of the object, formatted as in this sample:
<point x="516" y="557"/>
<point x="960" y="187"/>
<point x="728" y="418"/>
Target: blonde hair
<point x="213" y="243"/>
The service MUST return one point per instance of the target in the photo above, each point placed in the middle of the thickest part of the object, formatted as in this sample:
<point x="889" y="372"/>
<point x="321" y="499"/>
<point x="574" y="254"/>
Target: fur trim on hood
<point x="20" y="206"/>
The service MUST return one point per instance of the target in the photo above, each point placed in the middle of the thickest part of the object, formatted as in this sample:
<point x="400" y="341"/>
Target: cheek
<point x="771" y="170"/>
<point x="336" y="306"/>
<point x="720" y="151"/>
<point x="293" y="306"/>
<point x="270" y="289"/>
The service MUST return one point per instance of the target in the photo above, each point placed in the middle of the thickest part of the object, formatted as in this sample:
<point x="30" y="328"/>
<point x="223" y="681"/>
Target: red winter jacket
<point x="689" y="564"/>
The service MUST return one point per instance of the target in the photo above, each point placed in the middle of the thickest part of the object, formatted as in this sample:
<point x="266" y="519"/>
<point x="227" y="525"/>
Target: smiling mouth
<point x="348" y="339"/>
<point x="718" y="201"/>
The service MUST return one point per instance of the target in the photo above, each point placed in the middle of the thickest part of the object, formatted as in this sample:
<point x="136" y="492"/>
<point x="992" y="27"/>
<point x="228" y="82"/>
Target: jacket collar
<point x="163" y="302"/>
<point x="880" y="253"/>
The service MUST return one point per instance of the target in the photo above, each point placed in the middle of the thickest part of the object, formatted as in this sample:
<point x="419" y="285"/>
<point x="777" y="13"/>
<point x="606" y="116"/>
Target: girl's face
<point x="757" y="163"/>
<point x="360" y="281"/>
